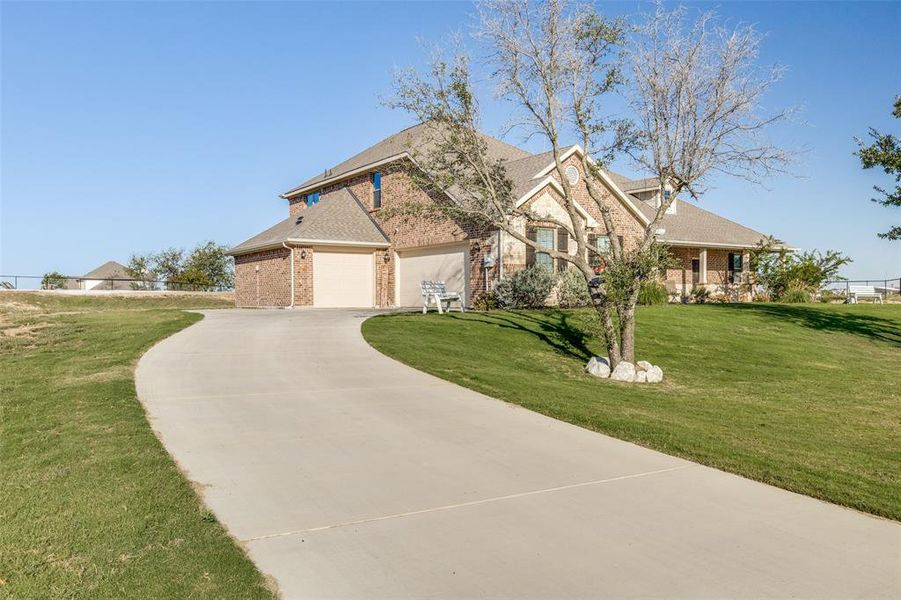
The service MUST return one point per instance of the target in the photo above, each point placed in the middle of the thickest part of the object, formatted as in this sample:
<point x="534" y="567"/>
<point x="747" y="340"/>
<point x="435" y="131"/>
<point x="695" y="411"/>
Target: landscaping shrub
<point x="831" y="296"/>
<point x="795" y="295"/>
<point x="528" y="288"/>
<point x="651" y="293"/>
<point x="572" y="290"/>
<point x="780" y="272"/>
<point x="700" y="295"/>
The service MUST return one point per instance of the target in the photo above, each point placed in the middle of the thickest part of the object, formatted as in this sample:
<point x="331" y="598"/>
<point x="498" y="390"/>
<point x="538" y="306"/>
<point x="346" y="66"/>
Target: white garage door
<point x="343" y="279"/>
<point x="442" y="263"/>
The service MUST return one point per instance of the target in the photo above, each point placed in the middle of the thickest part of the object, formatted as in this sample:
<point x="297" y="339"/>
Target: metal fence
<point x="889" y="289"/>
<point x="74" y="284"/>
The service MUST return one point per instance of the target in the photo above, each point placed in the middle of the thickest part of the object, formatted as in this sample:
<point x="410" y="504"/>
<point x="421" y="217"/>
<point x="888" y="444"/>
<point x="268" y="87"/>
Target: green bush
<point x="528" y="288"/>
<point x="53" y="280"/>
<point x="572" y="290"/>
<point x="700" y="295"/>
<point x="795" y="295"/>
<point x="651" y="293"/>
<point x="830" y="296"/>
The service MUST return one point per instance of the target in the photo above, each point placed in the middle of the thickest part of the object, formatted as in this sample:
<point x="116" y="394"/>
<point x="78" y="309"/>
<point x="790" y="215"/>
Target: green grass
<point x="91" y="505"/>
<point x="805" y="397"/>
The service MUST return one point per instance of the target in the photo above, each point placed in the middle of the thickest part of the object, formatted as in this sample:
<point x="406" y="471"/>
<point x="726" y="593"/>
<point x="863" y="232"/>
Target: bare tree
<point x="556" y="64"/>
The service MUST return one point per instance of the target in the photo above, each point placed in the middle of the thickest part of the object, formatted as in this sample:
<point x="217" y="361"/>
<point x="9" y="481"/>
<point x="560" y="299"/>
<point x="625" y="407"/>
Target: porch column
<point x="703" y="262"/>
<point x="745" y="265"/>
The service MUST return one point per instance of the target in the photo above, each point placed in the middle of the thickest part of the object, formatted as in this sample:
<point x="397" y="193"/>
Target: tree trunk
<point x="627" y="334"/>
<point x="627" y="326"/>
<point x="602" y="307"/>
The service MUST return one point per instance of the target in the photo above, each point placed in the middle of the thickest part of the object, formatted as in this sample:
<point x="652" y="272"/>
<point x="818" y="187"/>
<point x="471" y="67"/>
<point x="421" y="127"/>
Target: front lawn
<point x="805" y="397"/>
<point x="91" y="504"/>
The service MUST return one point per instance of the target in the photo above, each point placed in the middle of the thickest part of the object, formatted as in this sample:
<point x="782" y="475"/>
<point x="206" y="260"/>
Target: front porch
<point x="719" y="270"/>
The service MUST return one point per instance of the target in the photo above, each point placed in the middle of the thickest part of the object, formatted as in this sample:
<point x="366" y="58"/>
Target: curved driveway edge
<point x="349" y="475"/>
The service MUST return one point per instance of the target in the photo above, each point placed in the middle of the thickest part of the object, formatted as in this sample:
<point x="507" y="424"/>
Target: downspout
<point x="291" y="248"/>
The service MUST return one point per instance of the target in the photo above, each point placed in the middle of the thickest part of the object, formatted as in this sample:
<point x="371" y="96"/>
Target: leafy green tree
<point x="782" y="273"/>
<point x="207" y="266"/>
<point x="53" y="280"/>
<point x="885" y="152"/>
<point x="168" y="265"/>
<point x="140" y="269"/>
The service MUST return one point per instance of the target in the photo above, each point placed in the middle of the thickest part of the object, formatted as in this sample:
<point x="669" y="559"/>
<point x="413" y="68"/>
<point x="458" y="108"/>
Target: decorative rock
<point x="624" y="371"/>
<point x="598" y="366"/>
<point x="643" y="365"/>
<point x="641" y="376"/>
<point x="654" y="374"/>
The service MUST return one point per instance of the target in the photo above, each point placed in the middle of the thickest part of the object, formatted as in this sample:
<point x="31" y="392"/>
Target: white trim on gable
<point x="611" y="185"/>
<point x="553" y="164"/>
<point x="589" y="220"/>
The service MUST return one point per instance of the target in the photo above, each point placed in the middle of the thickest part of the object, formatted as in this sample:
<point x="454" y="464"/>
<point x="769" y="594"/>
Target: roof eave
<point x="723" y="245"/>
<point x="318" y="184"/>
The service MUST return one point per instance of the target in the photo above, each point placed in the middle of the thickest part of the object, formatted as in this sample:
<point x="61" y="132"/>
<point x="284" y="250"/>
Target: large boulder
<point x="654" y="374"/>
<point x="643" y="365"/>
<point x="624" y="371"/>
<point x="598" y="366"/>
<point x="641" y="376"/>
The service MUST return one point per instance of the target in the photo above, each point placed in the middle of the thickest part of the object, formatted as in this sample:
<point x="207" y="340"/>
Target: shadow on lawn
<point x="554" y="328"/>
<point x="823" y="319"/>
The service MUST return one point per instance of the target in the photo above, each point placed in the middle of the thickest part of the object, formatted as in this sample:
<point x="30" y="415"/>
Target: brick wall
<point x="303" y="276"/>
<point x="295" y="205"/>
<point x="263" y="278"/>
<point x="717" y="266"/>
<point x="627" y="224"/>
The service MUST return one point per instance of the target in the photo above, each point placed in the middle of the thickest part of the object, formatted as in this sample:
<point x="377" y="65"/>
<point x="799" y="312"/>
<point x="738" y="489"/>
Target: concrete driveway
<point x="347" y="474"/>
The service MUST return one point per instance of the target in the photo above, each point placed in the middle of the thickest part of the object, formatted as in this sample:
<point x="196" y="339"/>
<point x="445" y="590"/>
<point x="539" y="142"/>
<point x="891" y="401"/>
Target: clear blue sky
<point x="130" y="127"/>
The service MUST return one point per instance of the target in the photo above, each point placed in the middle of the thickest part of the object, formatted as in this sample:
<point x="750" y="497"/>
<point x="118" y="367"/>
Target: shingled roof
<point x="414" y="137"/>
<point x="108" y="270"/>
<point x="692" y="225"/>
<point x="339" y="218"/>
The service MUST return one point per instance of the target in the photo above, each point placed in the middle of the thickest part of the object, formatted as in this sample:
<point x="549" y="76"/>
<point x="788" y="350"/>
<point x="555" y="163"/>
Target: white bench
<point x="856" y="292"/>
<point x="436" y="292"/>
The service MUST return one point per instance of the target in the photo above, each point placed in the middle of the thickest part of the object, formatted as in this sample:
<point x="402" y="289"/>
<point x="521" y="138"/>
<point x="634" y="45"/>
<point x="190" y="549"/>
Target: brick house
<point x="336" y="249"/>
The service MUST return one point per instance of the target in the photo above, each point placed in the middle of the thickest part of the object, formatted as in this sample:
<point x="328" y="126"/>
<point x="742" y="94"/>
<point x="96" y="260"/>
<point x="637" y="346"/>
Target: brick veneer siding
<point x="717" y="267"/>
<point x="398" y="188"/>
<point x="627" y="223"/>
<point x="295" y="205"/>
<point x="263" y="278"/>
<point x="303" y="276"/>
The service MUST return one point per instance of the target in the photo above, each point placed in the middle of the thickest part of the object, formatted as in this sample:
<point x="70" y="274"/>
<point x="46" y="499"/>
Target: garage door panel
<point x="432" y="264"/>
<point x="343" y="279"/>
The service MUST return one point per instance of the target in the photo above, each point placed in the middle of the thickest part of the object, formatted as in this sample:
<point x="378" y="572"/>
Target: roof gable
<point x="108" y="270"/>
<point x="395" y="147"/>
<point x="338" y="218"/>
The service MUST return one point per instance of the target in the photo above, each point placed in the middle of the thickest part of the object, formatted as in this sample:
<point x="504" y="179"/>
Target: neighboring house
<point x="336" y="249"/>
<point x="103" y="277"/>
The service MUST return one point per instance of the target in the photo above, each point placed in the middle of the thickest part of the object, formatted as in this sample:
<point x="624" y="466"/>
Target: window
<point x="735" y="267"/>
<point x="603" y="244"/>
<point x="312" y="198"/>
<point x="562" y="246"/>
<point x="377" y="189"/>
<point x="545" y="238"/>
<point x="667" y="194"/>
<point x="572" y="174"/>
